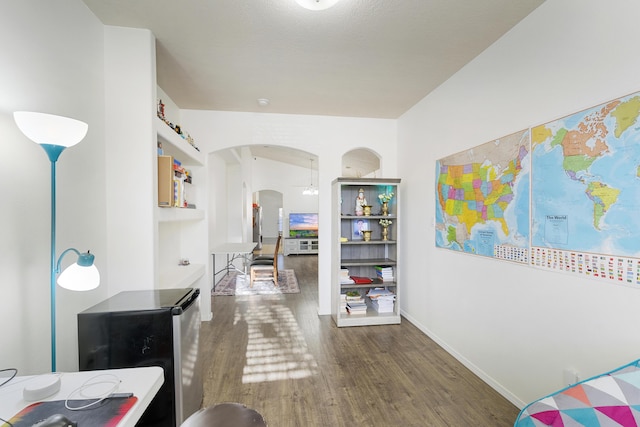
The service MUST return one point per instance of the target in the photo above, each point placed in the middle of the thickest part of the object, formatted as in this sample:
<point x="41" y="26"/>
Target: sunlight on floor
<point x="276" y="349"/>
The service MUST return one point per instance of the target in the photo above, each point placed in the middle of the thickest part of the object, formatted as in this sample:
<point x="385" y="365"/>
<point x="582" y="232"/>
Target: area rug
<point x="238" y="284"/>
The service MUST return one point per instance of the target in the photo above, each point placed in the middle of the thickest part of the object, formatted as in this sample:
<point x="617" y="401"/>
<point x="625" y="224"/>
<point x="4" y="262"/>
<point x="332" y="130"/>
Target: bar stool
<point x="225" y="415"/>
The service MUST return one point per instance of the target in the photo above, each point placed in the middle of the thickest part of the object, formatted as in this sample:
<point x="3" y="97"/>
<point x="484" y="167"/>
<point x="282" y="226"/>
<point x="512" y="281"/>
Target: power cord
<point x="7" y="375"/>
<point x="87" y="385"/>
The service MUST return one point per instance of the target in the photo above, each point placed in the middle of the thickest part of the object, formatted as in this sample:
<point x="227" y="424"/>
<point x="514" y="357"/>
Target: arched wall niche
<point x="361" y="163"/>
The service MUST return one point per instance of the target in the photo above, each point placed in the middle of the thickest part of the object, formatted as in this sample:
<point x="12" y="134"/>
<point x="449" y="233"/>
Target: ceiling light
<point x="263" y="102"/>
<point x="310" y="190"/>
<point x="316" y="4"/>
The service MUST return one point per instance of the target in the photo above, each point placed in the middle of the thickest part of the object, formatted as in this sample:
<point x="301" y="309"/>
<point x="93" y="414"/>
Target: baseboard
<point x="467" y="363"/>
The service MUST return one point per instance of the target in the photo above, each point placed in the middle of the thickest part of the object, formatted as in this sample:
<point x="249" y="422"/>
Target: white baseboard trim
<point x="467" y="363"/>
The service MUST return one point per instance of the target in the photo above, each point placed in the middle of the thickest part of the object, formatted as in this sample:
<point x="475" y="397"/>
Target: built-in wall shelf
<point x="181" y="231"/>
<point x="176" y="146"/>
<point x="181" y="276"/>
<point x="179" y="214"/>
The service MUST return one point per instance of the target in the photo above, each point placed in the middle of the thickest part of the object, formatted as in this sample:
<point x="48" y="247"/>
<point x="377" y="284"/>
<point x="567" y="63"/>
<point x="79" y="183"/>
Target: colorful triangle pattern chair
<point x="609" y="399"/>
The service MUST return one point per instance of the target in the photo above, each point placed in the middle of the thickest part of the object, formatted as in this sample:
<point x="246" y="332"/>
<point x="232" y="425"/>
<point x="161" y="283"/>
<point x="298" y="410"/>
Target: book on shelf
<point x="382" y="307"/>
<point x="353" y="302"/>
<point x="343" y="302"/>
<point x="375" y="293"/>
<point x="177" y="188"/>
<point x="356" y="304"/>
<point x="344" y="277"/>
<point x="356" y="308"/>
<point x="358" y="280"/>
<point x="384" y="272"/>
<point x="381" y="300"/>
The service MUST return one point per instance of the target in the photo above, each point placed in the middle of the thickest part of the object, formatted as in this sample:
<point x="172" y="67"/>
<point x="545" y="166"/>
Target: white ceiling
<point x="360" y="58"/>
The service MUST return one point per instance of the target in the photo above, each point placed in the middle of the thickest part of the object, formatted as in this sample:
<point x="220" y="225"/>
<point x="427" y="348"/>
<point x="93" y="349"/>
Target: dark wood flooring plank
<point x="277" y="356"/>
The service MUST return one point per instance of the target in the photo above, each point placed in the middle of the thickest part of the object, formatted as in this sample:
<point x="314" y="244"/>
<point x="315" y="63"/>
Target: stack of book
<point x="354" y="304"/>
<point x="344" y="277"/>
<point x="179" y="189"/>
<point x="382" y="300"/>
<point x="385" y="273"/>
<point x="343" y="303"/>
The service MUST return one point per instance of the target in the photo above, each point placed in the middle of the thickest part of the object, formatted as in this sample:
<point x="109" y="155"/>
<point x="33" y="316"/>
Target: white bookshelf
<point x="361" y="257"/>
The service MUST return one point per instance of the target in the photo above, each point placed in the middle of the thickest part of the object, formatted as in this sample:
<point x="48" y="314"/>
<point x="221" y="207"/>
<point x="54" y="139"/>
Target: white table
<point x="233" y="251"/>
<point x="144" y="383"/>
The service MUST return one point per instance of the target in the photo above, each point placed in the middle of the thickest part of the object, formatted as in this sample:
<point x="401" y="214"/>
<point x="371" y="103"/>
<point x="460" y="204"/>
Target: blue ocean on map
<point x="555" y="194"/>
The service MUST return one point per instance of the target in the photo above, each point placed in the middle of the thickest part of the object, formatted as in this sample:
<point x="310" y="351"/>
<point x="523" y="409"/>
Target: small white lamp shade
<point x="79" y="278"/>
<point x="310" y="191"/>
<point x="317" y="4"/>
<point x="50" y="129"/>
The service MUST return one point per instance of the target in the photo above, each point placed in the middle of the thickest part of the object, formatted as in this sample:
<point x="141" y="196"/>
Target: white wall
<point x="518" y="327"/>
<point x="326" y="137"/>
<point x="53" y="63"/>
<point x="217" y="200"/>
<point x="130" y="87"/>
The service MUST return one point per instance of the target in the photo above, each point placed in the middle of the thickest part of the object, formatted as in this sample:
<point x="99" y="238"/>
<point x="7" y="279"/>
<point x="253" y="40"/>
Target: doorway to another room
<point x="267" y="217"/>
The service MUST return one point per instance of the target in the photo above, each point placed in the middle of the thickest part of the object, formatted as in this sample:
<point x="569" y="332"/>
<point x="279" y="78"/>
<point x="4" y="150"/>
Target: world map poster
<point x="563" y="196"/>
<point x="482" y="205"/>
<point x="585" y="191"/>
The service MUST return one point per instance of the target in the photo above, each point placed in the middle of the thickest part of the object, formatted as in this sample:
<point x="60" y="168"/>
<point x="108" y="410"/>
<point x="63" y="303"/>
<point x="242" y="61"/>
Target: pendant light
<point x="310" y="190"/>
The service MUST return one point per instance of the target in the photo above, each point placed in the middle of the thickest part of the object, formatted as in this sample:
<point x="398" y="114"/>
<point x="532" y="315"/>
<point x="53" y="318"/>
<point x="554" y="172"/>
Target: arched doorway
<point x="277" y="176"/>
<point x="267" y="216"/>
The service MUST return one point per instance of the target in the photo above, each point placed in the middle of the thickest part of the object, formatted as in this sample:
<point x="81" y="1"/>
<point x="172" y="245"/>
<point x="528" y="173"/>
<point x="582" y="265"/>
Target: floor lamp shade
<point x="50" y="129"/>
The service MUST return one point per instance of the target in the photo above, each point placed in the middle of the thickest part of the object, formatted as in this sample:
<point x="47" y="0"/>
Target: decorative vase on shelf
<point x="385" y="233"/>
<point x="367" y="235"/>
<point x="385" y="208"/>
<point x="367" y="210"/>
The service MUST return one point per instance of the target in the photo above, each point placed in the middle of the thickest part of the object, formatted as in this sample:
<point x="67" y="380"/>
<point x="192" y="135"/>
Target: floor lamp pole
<point x="53" y="266"/>
<point x="53" y="151"/>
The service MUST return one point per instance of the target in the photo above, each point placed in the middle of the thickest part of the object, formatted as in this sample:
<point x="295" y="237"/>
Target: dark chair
<point x="266" y="269"/>
<point x="268" y="256"/>
<point x="225" y="415"/>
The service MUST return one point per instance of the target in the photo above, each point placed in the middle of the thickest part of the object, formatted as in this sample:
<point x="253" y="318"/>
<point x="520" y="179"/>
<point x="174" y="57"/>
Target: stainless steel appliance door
<point x="187" y="363"/>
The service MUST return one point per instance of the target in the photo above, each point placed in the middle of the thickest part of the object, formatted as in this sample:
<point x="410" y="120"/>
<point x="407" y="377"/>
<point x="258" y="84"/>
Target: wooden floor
<point x="277" y="356"/>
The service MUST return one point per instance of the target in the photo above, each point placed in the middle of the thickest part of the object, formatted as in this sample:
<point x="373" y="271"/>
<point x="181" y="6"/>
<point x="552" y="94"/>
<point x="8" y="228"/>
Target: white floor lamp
<point x="54" y="134"/>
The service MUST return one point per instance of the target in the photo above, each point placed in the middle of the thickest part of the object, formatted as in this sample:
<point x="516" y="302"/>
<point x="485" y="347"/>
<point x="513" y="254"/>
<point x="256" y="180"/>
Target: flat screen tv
<point x="303" y="225"/>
